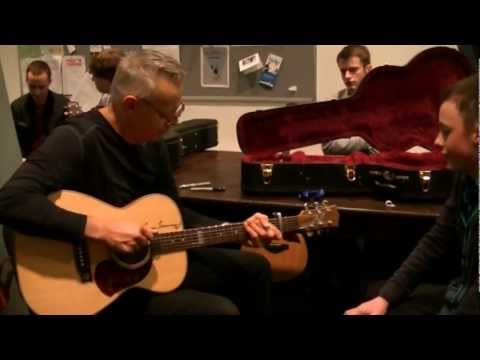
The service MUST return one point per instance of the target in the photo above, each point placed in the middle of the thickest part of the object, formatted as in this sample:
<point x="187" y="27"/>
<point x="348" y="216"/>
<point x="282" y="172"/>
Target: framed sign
<point x="215" y="66"/>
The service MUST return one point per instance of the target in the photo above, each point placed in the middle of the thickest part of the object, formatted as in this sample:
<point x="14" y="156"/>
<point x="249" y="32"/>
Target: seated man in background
<point x="37" y="113"/>
<point x="455" y="233"/>
<point x="354" y="64"/>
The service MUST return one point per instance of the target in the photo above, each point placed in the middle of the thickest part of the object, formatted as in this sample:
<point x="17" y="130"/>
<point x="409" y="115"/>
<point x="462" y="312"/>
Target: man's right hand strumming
<point x="125" y="237"/>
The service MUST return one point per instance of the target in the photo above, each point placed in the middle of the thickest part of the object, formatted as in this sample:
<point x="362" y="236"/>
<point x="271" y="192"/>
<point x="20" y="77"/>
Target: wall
<point x="328" y="83"/>
<point x="11" y="73"/>
<point x="11" y="159"/>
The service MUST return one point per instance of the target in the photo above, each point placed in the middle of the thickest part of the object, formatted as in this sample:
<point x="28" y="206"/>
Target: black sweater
<point x="450" y="236"/>
<point x="86" y="155"/>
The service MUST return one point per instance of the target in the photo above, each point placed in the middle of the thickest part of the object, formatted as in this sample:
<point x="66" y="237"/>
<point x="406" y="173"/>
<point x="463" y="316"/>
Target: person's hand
<point x="260" y="230"/>
<point x="124" y="237"/>
<point x="376" y="306"/>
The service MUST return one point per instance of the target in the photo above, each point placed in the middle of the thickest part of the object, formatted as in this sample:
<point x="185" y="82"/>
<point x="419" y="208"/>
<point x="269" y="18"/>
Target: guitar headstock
<point x="317" y="216"/>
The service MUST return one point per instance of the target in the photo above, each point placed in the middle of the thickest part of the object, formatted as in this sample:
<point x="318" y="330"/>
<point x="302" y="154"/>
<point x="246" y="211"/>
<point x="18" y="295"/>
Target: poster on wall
<point x="215" y="66"/>
<point x="73" y="71"/>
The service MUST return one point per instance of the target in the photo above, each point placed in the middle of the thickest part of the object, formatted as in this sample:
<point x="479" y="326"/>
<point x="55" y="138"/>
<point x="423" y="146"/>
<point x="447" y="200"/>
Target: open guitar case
<point x="394" y="109"/>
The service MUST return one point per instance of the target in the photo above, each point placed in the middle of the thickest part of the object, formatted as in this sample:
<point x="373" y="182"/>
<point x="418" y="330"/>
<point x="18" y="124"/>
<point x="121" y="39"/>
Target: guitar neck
<point x="212" y="235"/>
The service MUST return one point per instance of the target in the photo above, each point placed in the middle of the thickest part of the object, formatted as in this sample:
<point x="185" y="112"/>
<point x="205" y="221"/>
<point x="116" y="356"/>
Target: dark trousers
<point x="218" y="282"/>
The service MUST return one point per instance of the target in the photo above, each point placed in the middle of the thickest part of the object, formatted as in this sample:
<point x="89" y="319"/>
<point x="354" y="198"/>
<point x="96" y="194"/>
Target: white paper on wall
<point x="86" y="93"/>
<point x="55" y="63"/>
<point x="54" y="50"/>
<point x="73" y="72"/>
<point x="95" y="48"/>
<point x="71" y="49"/>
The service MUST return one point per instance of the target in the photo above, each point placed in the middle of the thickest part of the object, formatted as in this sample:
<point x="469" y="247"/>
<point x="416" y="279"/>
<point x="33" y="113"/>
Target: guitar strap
<point x="82" y="260"/>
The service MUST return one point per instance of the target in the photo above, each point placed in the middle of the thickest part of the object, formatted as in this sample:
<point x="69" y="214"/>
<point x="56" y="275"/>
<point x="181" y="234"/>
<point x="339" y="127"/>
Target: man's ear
<point x="130" y="102"/>
<point x="475" y="136"/>
<point x="368" y="67"/>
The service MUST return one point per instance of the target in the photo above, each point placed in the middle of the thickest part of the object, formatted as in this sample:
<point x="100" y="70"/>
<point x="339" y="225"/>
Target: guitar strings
<point x="226" y="233"/>
<point x="190" y="237"/>
<point x="211" y="230"/>
<point x="289" y="222"/>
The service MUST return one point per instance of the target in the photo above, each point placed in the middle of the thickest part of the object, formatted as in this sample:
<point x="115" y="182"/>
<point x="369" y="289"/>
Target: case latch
<point x="425" y="177"/>
<point x="267" y="172"/>
<point x="350" y="173"/>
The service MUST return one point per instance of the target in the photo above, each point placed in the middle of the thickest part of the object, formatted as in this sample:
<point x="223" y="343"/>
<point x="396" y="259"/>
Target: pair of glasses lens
<point x="171" y="120"/>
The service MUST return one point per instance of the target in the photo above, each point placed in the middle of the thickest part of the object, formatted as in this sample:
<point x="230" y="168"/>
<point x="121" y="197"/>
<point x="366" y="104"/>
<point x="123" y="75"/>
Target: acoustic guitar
<point x="49" y="280"/>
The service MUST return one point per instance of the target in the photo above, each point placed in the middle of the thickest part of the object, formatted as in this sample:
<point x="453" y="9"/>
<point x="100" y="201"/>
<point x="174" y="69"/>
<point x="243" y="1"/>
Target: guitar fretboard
<point x="211" y="235"/>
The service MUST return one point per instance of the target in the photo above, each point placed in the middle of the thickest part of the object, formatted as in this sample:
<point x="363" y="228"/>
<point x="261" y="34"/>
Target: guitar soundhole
<point x="134" y="260"/>
<point x="111" y="277"/>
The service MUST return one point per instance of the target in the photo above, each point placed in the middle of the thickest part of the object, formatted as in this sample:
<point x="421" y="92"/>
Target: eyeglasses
<point x="171" y="119"/>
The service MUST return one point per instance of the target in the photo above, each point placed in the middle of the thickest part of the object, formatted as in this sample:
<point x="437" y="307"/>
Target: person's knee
<point x="201" y="303"/>
<point x="258" y="266"/>
<point x="190" y="302"/>
<point x="222" y="306"/>
<point x="212" y="304"/>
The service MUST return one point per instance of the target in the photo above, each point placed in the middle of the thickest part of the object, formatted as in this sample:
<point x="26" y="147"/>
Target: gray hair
<point x="138" y="72"/>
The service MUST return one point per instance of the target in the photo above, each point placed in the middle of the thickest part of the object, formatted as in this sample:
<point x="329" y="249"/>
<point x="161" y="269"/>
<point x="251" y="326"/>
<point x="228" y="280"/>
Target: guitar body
<point x="287" y="257"/>
<point x="46" y="271"/>
<point x="50" y="282"/>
